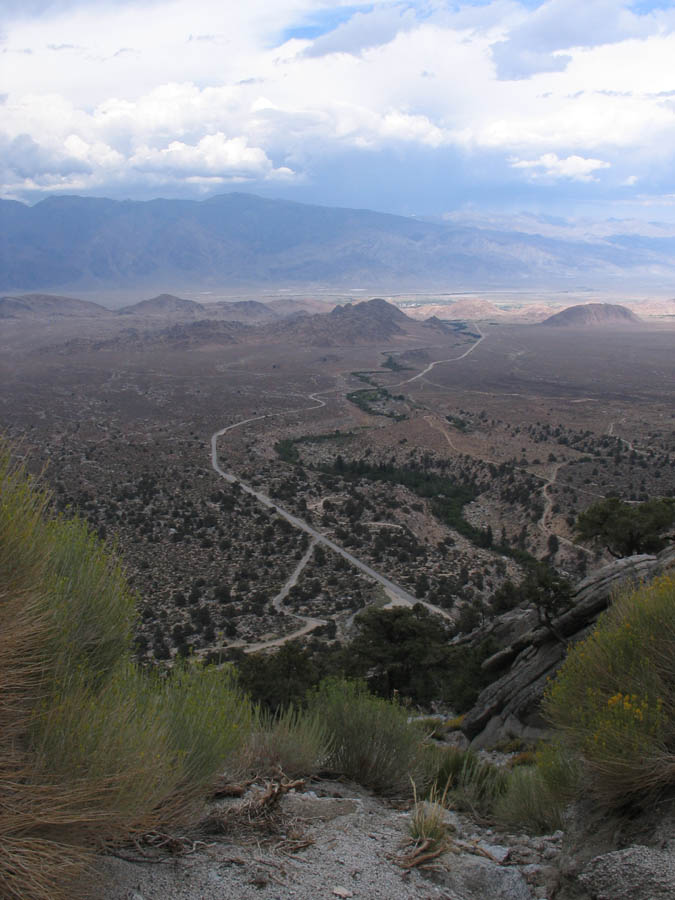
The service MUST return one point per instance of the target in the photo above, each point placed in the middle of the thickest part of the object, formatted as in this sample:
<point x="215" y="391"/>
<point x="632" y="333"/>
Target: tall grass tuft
<point x="468" y="782"/>
<point x="373" y="743"/>
<point x="528" y="802"/>
<point x="613" y="699"/>
<point x="91" y="748"/>
<point x="293" y="741"/>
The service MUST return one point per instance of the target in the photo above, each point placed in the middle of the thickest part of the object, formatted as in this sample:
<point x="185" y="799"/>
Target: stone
<point x="498" y="853"/>
<point x="636" y="873"/>
<point x="469" y="877"/>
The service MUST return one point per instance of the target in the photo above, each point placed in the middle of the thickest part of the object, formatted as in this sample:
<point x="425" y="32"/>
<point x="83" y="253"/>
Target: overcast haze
<point x="565" y="107"/>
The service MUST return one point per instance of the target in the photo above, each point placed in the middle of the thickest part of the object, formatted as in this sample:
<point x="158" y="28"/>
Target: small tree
<point x="626" y="529"/>
<point x="551" y="595"/>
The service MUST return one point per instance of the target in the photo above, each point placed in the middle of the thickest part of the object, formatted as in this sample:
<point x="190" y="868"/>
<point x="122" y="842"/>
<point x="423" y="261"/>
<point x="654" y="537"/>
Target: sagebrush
<point x="91" y="748"/>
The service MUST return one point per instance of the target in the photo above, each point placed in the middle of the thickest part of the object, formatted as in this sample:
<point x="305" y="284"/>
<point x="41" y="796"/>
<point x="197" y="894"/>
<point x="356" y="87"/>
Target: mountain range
<point x="234" y="240"/>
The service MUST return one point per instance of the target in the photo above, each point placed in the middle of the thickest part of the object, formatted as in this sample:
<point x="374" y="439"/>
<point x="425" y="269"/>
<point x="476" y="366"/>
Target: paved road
<point x="394" y="591"/>
<point x="397" y="594"/>
<point x="441" y="361"/>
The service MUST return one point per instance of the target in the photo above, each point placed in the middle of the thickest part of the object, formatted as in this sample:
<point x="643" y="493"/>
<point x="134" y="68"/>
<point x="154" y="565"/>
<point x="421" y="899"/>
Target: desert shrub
<point x="537" y="794"/>
<point x="295" y="742"/>
<point x="528" y="802"/>
<point x="373" y="743"/>
<point x="468" y="782"/>
<point x="91" y="748"/>
<point x="208" y="720"/>
<point x="560" y="771"/>
<point x="613" y="699"/>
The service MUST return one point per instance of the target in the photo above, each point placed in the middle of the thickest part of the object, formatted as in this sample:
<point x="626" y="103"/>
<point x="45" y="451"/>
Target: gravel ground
<point x="353" y="839"/>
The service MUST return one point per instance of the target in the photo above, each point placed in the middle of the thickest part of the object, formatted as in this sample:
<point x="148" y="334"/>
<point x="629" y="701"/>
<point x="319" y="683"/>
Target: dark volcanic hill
<point x="79" y="243"/>
<point x="47" y="306"/>
<point x="361" y="323"/>
<point x="593" y="315"/>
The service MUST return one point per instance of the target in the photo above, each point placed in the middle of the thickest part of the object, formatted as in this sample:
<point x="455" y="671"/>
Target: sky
<point x="562" y="108"/>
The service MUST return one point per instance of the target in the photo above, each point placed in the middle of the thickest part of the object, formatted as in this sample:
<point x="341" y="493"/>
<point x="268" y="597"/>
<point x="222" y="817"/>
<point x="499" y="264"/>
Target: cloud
<point x="365" y="29"/>
<point x="23" y="157"/>
<point x="549" y="165"/>
<point x="536" y="44"/>
<point x="220" y="92"/>
<point x="213" y="155"/>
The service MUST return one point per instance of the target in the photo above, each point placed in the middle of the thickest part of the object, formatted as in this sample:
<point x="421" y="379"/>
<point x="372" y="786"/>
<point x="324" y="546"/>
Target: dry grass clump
<point x="613" y="700"/>
<point x="91" y="748"/>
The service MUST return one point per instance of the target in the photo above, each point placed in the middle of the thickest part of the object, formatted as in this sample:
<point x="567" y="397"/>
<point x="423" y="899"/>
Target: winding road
<point x="397" y="595"/>
<point x="441" y="361"/>
<point x="309" y="623"/>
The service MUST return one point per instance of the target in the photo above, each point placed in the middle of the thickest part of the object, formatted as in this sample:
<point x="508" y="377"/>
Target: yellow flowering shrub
<point x="613" y="698"/>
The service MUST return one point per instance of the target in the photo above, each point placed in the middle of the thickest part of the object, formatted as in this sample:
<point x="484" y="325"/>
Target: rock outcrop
<point x="509" y="707"/>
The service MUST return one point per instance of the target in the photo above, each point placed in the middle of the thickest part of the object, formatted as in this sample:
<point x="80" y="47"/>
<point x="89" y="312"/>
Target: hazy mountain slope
<point x="33" y="306"/>
<point x="165" y="306"/>
<point x="237" y="239"/>
<point x="249" y="311"/>
<point x="593" y="315"/>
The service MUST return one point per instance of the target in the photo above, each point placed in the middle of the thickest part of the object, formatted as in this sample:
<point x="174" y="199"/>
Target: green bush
<point x="373" y="743"/>
<point x="614" y="697"/>
<point x="91" y="748"/>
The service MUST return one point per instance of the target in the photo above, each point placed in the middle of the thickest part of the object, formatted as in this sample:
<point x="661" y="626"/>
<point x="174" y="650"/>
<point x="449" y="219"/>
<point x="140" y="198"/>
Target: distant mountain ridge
<point x="78" y="243"/>
<point x="170" y="320"/>
<point x="164" y="307"/>
<point x="32" y="306"/>
<point x="593" y="315"/>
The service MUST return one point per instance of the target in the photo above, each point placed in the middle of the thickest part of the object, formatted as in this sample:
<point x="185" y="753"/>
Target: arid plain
<point x="353" y="423"/>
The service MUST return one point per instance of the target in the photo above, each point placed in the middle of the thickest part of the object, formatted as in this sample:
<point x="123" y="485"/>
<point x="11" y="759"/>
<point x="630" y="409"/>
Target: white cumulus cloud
<point x="549" y="165"/>
<point x="214" y="154"/>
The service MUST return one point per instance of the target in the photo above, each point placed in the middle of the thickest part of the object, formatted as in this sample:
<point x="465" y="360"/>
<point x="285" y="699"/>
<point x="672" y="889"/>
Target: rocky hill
<point x="593" y="315"/>
<point x="366" y="322"/>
